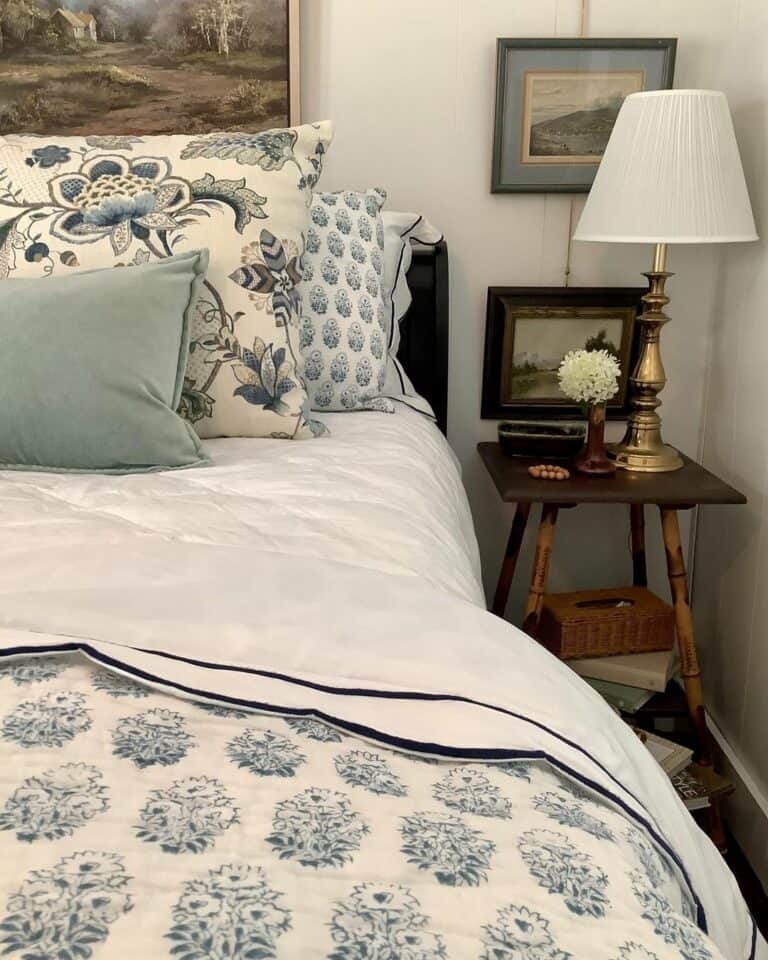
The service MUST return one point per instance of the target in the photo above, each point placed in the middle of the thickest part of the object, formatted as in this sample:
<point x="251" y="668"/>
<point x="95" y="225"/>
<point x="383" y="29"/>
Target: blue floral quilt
<point x="137" y="824"/>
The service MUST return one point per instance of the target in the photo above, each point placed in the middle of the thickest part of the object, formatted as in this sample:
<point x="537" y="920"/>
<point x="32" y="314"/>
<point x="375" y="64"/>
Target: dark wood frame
<point x="503" y="45"/>
<point x="554" y="298"/>
<point x="424" y="329"/>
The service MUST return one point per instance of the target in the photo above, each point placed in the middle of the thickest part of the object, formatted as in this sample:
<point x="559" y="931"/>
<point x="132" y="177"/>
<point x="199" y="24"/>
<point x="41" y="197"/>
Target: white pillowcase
<point x="399" y="230"/>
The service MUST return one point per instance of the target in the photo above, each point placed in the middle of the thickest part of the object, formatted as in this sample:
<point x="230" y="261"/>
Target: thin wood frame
<point x="294" y="61"/>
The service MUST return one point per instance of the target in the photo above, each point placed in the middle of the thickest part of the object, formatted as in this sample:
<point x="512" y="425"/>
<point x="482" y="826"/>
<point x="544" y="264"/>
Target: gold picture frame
<point x="294" y="62"/>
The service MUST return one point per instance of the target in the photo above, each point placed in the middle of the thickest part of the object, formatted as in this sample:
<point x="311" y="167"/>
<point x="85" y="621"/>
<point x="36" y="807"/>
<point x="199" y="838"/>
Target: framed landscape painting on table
<point x="113" y="67"/>
<point x="557" y="102"/>
<point x="530" y="329"/>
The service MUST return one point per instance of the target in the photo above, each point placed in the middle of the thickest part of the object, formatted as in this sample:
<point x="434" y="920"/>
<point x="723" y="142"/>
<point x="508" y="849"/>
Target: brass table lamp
<point x="671" y="173"/>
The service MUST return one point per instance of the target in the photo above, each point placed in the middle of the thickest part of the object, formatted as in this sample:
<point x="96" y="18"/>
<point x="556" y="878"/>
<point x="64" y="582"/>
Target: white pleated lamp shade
<point x="671" y="173"/>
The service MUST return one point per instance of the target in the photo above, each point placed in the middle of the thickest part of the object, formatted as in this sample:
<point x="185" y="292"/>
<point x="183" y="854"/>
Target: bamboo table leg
<point x="637" y="523"/>
<point x="509" y="563"/>
<point x="689" y="661"/>
<point x="544" y="541"/>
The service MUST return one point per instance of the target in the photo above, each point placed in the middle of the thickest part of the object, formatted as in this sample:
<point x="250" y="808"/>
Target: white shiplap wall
<point x="731" y="583"/>
<point x="410" y="86"/>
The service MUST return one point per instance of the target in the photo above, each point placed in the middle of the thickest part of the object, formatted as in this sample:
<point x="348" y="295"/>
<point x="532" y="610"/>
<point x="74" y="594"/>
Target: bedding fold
<point x="385" y="658"/>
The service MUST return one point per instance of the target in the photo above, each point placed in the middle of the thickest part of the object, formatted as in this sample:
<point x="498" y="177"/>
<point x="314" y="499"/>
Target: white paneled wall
<point x="731" y="583"/>
<point x="410" y="86"/>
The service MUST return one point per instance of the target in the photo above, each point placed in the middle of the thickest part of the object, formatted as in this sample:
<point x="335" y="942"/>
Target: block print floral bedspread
<point x="136" y="824"/>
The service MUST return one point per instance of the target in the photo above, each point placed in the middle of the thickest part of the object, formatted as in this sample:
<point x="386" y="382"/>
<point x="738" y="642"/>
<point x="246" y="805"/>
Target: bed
<point x="258" y="709"/>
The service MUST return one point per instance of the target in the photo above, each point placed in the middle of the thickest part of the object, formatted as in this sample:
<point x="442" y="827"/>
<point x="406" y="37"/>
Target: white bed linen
<point x="382" y="492"/>
<point x="355" y="600"/>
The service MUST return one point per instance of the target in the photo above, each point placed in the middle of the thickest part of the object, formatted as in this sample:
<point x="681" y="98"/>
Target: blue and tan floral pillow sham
<point x="69" y="204"/>
<point x="346" y="305"/>
<point x="92" y="367"/>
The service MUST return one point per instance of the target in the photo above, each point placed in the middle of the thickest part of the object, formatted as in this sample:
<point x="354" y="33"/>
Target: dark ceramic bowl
<point x="551" y="441"/>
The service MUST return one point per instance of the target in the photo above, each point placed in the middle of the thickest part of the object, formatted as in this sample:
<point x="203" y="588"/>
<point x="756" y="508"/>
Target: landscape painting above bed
<point x="141" y="67"/>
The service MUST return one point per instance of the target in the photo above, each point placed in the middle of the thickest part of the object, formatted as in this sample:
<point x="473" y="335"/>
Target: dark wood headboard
<point x="424" y="329"/>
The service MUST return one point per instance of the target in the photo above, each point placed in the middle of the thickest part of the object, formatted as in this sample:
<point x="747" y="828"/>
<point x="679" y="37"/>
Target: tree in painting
<point x="142" y="66"/>
<point x="601" y="342"/>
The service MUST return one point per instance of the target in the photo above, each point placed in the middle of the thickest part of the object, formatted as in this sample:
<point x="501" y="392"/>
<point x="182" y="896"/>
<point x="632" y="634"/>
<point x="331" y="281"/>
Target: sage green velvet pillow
<point x="92" y="368"/>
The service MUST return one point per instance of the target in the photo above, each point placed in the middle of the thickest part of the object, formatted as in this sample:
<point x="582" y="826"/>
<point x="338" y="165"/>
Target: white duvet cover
<point x="335" y="582"/>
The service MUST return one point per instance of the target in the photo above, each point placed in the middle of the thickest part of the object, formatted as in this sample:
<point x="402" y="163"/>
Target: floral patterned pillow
<point x="86" y="202"/>
<point x="346" y="304"/>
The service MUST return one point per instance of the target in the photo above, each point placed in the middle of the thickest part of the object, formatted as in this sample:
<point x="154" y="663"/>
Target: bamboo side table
<point x="670" y="492"/>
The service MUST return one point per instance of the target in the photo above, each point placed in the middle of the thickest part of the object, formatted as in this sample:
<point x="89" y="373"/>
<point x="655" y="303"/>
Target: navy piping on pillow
<point x="429" y="416"/>
<point x="405" y="233"/>
<point x="413" y="226"/>
<point x="399" y="370"/>
<point x="424" y="243"/>
<point x="392" y="320"/>
<point x="478" y="753"/>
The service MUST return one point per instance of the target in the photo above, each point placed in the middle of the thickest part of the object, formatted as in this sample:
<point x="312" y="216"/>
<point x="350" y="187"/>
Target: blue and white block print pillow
<point x="346" y="305"/>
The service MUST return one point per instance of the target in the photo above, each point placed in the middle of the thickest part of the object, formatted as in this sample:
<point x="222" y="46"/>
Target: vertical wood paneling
<point x="732" y="549"/>
<point x="410" y="86"/>
<point x="411" y="89"/>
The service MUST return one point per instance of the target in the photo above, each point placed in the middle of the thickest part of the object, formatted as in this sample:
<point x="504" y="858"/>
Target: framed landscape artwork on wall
<point x="530" y="329"/>
<point x="557" y="102"/>
<point x="142" y="67"/>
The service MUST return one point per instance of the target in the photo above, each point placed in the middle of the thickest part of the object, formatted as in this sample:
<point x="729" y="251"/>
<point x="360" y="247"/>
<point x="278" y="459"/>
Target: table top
<point x="690" y="485"/>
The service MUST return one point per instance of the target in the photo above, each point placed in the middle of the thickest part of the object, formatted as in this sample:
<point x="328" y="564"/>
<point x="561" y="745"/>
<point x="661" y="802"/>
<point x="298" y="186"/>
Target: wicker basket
<point x="602" y="623"/>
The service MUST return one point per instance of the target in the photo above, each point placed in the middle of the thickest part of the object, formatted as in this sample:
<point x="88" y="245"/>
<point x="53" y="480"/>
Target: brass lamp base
<point x="661" y="459"/>
<point x="642" y="448"/>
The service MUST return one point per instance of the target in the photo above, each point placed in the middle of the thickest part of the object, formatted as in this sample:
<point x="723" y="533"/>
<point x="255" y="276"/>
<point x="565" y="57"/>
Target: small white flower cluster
<point x="589" y="376"/>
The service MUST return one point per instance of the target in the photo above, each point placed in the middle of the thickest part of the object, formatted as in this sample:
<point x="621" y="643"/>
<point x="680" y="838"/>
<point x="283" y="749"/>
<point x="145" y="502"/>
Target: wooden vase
<point x="592" y="461"/>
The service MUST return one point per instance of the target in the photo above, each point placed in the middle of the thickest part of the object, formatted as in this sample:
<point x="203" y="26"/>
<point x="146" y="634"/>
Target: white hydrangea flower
<point x="589" y="376"/>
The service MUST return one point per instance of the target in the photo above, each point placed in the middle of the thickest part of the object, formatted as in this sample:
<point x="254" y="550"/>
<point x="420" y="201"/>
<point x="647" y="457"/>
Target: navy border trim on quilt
<point x="392" y="319"/>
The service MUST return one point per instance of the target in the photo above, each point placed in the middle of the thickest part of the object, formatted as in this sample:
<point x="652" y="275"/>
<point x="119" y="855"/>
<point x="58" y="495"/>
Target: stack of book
<point x="676" y="761"/>
<point x="627" y="681"/>
<point x="700" y="787"/>
<point x="671" y="757"/>
<point x="691" y="790"/>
